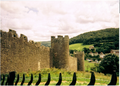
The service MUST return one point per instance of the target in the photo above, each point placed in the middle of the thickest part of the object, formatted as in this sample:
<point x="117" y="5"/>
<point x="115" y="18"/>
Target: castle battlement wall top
<point x="13" y="32"/>
<point x="37" y="44"/>
<point x="13" y="35"/>
<point x="31" y="41"/>
<point x="24" y="37"/>
<point x="17" y="54"/>
<point x="59" y="38"/>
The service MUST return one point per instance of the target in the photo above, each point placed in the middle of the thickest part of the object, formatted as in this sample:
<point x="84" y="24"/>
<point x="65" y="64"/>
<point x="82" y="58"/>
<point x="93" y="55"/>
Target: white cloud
<point x="39" y="20"/>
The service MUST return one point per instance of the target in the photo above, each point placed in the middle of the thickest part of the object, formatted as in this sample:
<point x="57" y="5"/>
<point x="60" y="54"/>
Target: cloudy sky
<point x="39" y="20"/>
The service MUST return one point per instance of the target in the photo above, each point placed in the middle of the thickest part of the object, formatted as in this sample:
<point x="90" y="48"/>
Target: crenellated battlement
<point x="13" y="32"/>
<point x="66" y="38"/>
<point x="37" y="44"/>
<point x="59" y="38"/>
<point x="22" y="36"/>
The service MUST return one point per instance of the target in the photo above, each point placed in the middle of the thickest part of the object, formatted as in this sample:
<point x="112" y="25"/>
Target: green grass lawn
<point x="83" y="78"/>
<point x="88" y="65"/>
<point x="78" y="46"/>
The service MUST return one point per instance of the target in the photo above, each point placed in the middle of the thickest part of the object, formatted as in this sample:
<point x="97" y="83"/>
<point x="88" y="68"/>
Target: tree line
<point x="109" y="64"/>
<point x="106" y="47"/>
<point x="100" y="36"/>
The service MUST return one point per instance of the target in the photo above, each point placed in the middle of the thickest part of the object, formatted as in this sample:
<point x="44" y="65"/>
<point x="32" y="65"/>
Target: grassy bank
<point x="88" y="65"/>
<point x="83" y="78"/>
<point x="78" y="46"/>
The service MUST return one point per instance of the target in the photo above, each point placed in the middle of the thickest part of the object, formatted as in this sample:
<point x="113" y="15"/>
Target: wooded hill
<point x="105" y="38"/>
<point x="94" y="37"/>
<point x="46" y="43"/>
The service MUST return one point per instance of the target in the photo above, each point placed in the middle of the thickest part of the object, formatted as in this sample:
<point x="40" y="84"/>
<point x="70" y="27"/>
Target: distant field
<point x="88" y="65"/>
<point x="78" y="46"/>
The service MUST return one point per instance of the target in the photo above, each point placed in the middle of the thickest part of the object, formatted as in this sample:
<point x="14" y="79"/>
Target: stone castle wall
<point x="72" y="63"/>
<point x="17" y="54"/>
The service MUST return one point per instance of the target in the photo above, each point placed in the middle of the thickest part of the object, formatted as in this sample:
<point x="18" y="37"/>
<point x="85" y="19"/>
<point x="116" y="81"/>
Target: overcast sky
<point x="39" y="20"/>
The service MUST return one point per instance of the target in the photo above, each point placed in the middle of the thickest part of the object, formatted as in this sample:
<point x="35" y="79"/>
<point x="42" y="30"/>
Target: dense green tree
<point x="97" y="56"/>
<point x="86" y="50"/>
<point x="108" y="64"/>
<point x="86" y="56"/>
<point x="71" y="51"/>
<point x="93" y="50"/>
<point x="97" y="45"/>
<point x="106" y="47"/>
<point x="98" y="59"/>
<point x="116" y="43"/>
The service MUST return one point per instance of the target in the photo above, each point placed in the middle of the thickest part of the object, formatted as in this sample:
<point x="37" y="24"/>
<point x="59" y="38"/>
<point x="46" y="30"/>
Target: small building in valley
<point x="116" y="52"/>
<point x="101" y="55"/>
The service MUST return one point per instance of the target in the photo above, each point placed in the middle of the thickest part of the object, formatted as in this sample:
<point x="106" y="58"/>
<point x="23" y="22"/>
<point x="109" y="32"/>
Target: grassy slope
<point x="88" y="65"/>
<point x="83" y="78"/>
<point x="78" y="46"/>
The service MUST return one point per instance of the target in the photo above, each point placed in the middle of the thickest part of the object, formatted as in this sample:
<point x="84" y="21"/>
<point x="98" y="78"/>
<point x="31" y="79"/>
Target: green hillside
<point x="100" y="36"/>
<point x="78" y="46"/>
<point x="102" y="39"/>
<point x="46" y="43"/>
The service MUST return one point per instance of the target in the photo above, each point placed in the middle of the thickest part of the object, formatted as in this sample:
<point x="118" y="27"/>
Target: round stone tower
<point x="66" y="52"/>
<point x="52" y="41"/>
<point x="60" y="51"/>
<point x="80" y="61"/>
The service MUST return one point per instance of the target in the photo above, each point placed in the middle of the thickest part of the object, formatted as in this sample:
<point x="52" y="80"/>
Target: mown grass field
<point x="88" y="65"/>
<point x="83" y="78"/>
<point x="78" y="46"/>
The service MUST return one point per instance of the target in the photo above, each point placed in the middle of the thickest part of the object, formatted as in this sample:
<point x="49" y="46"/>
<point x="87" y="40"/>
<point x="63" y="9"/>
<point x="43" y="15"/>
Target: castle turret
<point x="52" y="41"/>
<point x="66" y="51"/>
<point x="80" y="61"/>
<point x="60" y="51"/>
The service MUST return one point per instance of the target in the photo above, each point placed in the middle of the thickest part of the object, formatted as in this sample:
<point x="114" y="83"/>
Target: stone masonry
<point x="17" y="54"/>
<point x="80" y="61"/>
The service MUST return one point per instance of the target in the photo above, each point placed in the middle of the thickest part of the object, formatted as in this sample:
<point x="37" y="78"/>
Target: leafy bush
<point x="95" y="68"/>
<point x="108" y="64"/>
<point x="71" y="51"/>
